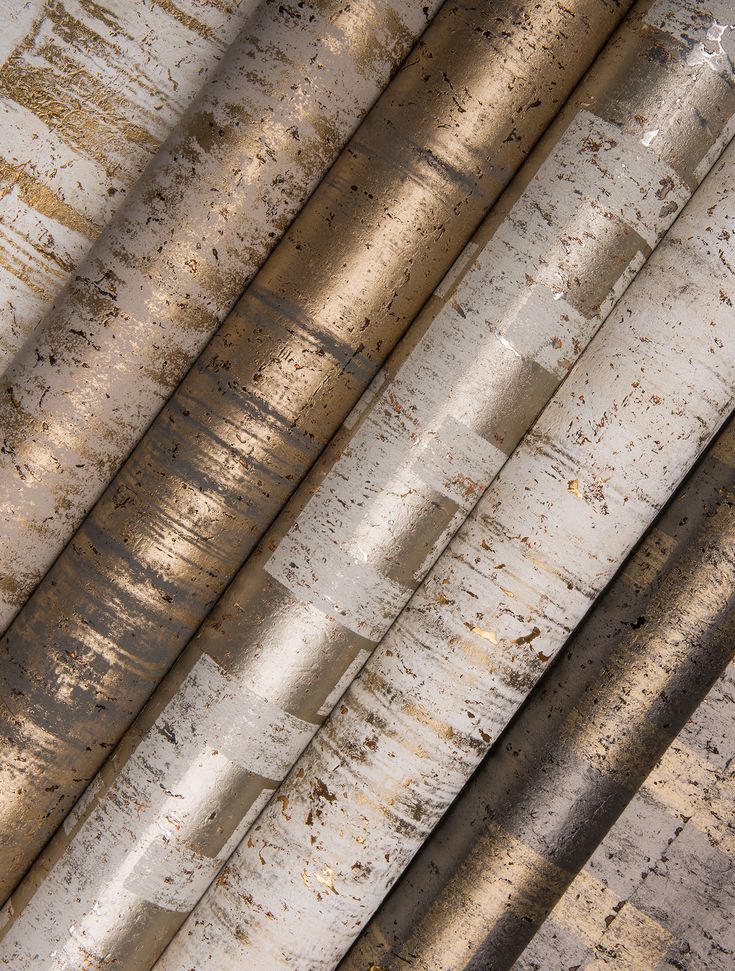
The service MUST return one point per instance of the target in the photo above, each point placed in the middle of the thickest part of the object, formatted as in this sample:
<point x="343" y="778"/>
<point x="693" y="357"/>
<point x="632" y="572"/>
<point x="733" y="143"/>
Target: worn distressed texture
<point x="223" y="456"/>
<point x="88" y="91"/>
<point x="167" y="269"/>
<point x="572" y="761"/>
<point x="587" y="480"/>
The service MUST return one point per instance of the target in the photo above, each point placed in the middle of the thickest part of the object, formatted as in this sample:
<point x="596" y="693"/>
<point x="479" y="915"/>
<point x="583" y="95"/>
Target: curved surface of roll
<point x="660" y="886"/>
<point x="168" y="268"/>
<point x="87" y="92"/>
<point x="651" y="389"/>
<point x="248" y="421"/>
<point x="582" y="745"/>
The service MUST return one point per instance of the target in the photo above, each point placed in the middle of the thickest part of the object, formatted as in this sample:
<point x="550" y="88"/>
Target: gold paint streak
<point x="36" y="259"/>
<point x="222" y="6"/>
<point x="20" y="272"/>
<point x="423" y="717"/>
<point x="487" y="634"/>
<point x="86" y="113"/>
<point x="99" y="13"/>
<point x="191" y="23"/>
<point x="36" y="195"/>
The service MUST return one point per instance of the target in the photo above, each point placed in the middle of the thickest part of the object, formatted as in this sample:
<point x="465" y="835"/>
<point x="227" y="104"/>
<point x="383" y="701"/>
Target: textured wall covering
<point x="224" y="455"/>
<point x="204" y="429"/>
<point x="546" y="537"/>
<point x="347" y="559"/>
<point x="88" y="91"/>
<point x="669" y="861"/>
<point x="167" y="269"/>
<point x="582" y="745"/>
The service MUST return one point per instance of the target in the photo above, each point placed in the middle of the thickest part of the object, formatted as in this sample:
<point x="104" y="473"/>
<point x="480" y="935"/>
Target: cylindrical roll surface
<point x="87" y="92"/>
<point x="551" y="530"/>
<point x="256" y="410"/>
<point x="582" y="745"/>
<point x="660" y="886"/>
<point x="167" y="269"/>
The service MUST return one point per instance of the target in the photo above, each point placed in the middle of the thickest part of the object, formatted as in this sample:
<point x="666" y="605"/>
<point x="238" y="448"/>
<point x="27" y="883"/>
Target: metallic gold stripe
<point x="624" y="428"/>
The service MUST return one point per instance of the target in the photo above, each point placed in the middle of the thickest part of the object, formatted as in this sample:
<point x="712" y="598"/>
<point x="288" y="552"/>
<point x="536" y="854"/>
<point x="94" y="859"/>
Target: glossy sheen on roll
<point x="168" y="268"/>
<point x="551" y="530"/>
<point x="88" y="92"/>
<point x="253" y="415"/>
<point x="582" y="745"/>
<point x="660" y="887"/>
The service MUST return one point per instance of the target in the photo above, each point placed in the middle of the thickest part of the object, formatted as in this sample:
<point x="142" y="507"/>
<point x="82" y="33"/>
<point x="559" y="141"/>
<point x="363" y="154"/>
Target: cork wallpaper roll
<point x="87" y="92"/>
<point x="582" y="745"/>
<point x="255" y="412"/>
<point x="442" y="378"/>
<point x="650" y="390"/>
<point x="167" y="269"/>
<point x="660" y="887"/>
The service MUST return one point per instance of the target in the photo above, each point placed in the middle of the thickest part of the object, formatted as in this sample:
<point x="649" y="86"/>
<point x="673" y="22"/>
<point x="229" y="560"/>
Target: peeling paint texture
<point x="216" y="467"/>
<point x="164" y="273"/>
<point x="584" y="743"/>
<point x="649" y="392"/>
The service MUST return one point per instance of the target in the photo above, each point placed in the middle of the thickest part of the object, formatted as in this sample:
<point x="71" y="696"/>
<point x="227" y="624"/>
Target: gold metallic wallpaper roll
<point x="582" y="746"/>
<point x="88" y="91"/>
<point x="346" y="352"/>
<point x="255" y="411"/>
<point x="166" y="270"/>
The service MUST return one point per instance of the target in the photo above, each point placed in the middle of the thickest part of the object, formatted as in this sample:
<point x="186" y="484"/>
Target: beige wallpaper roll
<point x="586" y="481"/>
<point x="256" y="410"/>
<point x="88" y="91"/>
<point x="162" y="276"/>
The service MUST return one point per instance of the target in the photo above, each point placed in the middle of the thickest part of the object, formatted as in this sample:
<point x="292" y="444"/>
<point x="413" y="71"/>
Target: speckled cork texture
<point x="223" y="457"/>
<point x="634" y="413"/>
<point x="581" y="747"/>
<point x="666" y="868"/>
<point x="88" y="91"/>
<point x="158" y="281"/>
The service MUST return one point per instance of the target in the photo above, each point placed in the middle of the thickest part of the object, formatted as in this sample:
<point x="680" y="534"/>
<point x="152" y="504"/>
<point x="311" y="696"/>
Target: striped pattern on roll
<point x="162" y="276"/>
<point x="225" y="454"/>
<point x="570" y="764"/>
<point x="552" y="529"/>
<point x="88" y="92"/>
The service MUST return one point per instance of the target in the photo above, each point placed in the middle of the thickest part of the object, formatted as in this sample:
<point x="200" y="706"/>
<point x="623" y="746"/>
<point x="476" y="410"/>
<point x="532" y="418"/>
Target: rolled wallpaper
<point x="578" y="752"/>
<point x="87" y="92"/>
<point x="372" y="627"/>
<point x="166" y="270"/>
<point x="660" y="887"/>
<point x="650" y="390"/>
<point x="253" y="414"/>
